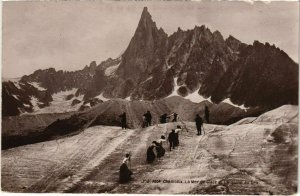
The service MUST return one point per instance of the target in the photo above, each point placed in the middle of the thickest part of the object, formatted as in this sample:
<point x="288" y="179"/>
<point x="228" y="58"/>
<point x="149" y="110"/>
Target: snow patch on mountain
<point x="15" y="96"/>
<point x="35" y="103"/>
<point x="37" y="86"/>
<point x="111" y="70"/>
<point x="176" y="87"/>
<point x="102" y="97"/>
<point x="60" y="104"/>
<point x="26" y="105"/>
<point x="228" y="101"/>
<point x="17" y="85"/>
<point x="196" y="98"/>
<point x="60" y="96"/>
<point x="150" y="78"/>
<point x="193" y="97"/>
<point x="209" y="99"/>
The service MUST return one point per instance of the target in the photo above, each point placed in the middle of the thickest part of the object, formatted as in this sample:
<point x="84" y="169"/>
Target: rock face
<point x="198" y="60"/>
<point x="36" y="91"/>
<point x="262" y="75"/>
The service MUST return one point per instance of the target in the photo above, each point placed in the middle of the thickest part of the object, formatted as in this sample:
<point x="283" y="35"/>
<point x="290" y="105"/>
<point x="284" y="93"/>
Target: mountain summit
<point x="197" y="64"/>
<point x="143" y="49"/>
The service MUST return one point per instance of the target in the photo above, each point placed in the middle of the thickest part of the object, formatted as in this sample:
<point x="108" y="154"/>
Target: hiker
<point x="161" y="140"/>
<point x="177" y="130"/>
<point x="206" y="111"/>
<point x="172" y="139"/>
<point x="150" y="153"/>
<point x="163" y="118"/>
<point x="125" y="173"/>
<point x="144" y="124"/>
<point x="199" y="124"/>
<point x="175" y="115"/>
<point x="123" y="120"/>
<point x="160" y="151"/>
<point x="184" y="126"/>
<point x="148" y="117"/>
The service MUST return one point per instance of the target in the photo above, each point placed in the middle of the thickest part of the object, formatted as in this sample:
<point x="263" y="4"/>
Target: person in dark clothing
<point x="144" y="124"/>
<point x="125" y="172"/>
<point x="148" y="117"/>
<point x="163" y="118"/>
<point x="206" y="111"/>
<point x="160" y="151"/>
<point x="161" y="140"/>
<point x="123" y="120"/>
<point x="175" y="117"/>
<point x="150" y="153"/>
<point x="177" y="130"/>
<point x="199" y="124"/>
<point x="172" y="138"/>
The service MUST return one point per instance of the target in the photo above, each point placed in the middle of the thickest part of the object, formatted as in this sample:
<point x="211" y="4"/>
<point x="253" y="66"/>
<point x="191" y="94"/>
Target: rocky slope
<point x="32" y="93"/>
<point x="26" y="129"/>
<point x="155" y="65"/>
<point x="252" y="156"/>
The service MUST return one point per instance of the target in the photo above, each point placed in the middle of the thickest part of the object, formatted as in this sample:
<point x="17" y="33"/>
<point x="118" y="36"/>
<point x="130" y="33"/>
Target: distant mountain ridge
<point x="198" y="60"/>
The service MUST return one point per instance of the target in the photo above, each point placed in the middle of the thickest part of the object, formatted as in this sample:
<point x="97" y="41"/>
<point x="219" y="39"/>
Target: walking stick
<point x="184" y="126"/>
<point x="129" y="160"/>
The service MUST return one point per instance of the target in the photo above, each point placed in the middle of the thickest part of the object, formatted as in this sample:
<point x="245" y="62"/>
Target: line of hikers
<point x="147" y="119"/>
<point x="156" y="149"/>
<point x="165" y="117"/>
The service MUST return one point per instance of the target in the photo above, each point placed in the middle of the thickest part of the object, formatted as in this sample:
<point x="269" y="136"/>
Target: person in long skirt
<point x="150" y="153"/>
<point x="125" y="172"/>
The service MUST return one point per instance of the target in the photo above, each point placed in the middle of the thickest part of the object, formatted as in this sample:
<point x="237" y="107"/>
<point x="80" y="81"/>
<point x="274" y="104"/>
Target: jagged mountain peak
<point x="230" y="40"/>
<point x="92" y="65"/>
<point x="147" y="25"/>
<point x="233" y="43"/>
<point x="218" y="36"/>
<point x="162" y="32"/>
<point x="145" y="13"/>
<point x="203" y="62"/>
<point x="143" y="48"/>
<point x="146" y="21"/>
<point x="202" y="27"/>
<point x="230" y="37"/>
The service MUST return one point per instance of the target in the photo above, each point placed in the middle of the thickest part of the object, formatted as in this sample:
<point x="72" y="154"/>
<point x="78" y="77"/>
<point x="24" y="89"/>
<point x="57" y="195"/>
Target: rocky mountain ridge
<point x="155" y="64"/>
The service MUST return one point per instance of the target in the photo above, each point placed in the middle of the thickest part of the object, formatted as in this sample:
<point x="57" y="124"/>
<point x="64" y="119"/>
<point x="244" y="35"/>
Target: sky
<point x="68" y="35"/>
